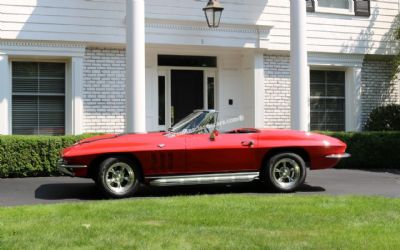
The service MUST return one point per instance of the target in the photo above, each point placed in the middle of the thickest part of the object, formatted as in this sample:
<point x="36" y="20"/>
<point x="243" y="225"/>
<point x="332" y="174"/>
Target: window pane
<point x="318" y="90"/>
<point x="335" y="90"/>
<point x="342" y="4"/>
<point x="24" y="115"/>
<point x="335" y="105"/>
<point x="210" y="89"/>
<point x="52" y="70"/>
<point x="161" y="100"/>
<point x="317" y="104"/>
<point x="25" y="85"/>
<point x="25" y="69"/>
<point x="53" y="86"/>
<point x="34" y="109"/>
<point x="317" y="76"/>
<point x="337" y="77"/>
<point x="187" y="61"/>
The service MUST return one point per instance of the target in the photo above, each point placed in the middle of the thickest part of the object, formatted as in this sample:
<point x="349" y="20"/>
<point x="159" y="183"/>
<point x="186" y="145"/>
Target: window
<point x="210" y="94"/>
<point x="327" y="100"/>
<point x="38" y="98"/>
<point x="339" y="4"/>
<point x="187" y="61"/>
<point x="161" y="100"/>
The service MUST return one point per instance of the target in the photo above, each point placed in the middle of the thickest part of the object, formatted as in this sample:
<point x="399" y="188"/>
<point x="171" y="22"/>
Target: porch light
<point x="213" y="12"/>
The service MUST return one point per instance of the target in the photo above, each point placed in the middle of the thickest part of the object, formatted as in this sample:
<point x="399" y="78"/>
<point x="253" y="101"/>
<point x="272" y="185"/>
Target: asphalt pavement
<point x="45" y="190"/>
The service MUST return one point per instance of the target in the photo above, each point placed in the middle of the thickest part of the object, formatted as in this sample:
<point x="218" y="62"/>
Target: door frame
<point x="166" y="72"/>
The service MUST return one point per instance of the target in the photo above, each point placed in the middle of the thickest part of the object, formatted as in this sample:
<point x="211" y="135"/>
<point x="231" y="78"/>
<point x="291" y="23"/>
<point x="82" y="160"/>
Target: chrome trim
<point x="64" y="168"/>
<point x="178" y="180"/>
<point x="338" y="156"/>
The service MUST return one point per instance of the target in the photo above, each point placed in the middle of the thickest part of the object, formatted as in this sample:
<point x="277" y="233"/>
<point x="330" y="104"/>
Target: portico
<point x="251" y="61"/>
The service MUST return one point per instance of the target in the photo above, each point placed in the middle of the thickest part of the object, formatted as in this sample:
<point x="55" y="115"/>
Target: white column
<point x="353" y="99"/>
<point x="259" y="91"/>
<point x="135" y="67"/>
<point x="76" y="95"/>
<point x="5" y="96"/>
<point x="300" y="96"/>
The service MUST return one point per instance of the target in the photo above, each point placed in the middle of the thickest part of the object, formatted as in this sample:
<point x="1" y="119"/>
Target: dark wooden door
<point x="186" y="93"/>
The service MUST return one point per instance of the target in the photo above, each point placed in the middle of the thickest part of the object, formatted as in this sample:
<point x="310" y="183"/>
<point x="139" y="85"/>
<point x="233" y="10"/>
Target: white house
<point x="62" y="63"/>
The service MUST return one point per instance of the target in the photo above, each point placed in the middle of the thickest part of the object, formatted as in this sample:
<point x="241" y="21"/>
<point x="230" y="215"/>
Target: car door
<point x="166" y="155"/>
<point x="226" y="153"/>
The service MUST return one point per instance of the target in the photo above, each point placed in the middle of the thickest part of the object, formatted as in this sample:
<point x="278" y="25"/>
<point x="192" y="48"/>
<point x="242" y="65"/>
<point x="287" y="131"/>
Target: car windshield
<point x="198" y="122"/>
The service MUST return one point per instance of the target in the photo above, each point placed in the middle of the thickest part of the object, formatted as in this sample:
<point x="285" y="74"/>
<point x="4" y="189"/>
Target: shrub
<point x="370" y="150"/>
<point x="385" y="118"/>
<point x="22" y="156"/>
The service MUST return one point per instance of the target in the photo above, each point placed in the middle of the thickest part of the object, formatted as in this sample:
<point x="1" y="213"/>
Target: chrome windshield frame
<point x="189" y="125"/>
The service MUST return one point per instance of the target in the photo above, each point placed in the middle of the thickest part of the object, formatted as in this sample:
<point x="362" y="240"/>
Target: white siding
<point x="102" y="22"/>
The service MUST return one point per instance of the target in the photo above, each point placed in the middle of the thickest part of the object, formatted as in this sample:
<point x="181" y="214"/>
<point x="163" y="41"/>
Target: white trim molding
<point x="76" y="118"/>
<point x="40" y="48"/>
<point x="5" y="96"/>
<point x="335" y="60"/>
<point x="353" y="109"/>
<point x="259" y="90"/>
<point x="195" y="33"/>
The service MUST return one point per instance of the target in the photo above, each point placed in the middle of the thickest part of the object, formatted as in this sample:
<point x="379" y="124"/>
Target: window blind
<point x="38" y="98"/>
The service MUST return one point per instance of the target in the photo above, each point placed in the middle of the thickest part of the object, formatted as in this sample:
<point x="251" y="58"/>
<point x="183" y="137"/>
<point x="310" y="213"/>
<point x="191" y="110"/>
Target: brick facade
<point x="277" y="91"/>
<point x="104" y="90"/>
<point x="377" y="87"/>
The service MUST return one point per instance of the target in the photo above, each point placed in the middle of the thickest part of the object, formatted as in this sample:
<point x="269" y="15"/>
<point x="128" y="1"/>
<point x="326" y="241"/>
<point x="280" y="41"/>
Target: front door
<point x="186" y="93"/>
<point x="180" y="91"/>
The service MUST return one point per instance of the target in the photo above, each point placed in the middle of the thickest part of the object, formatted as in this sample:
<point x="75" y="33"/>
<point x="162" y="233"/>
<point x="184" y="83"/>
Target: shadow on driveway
<point x="89" y="191"/>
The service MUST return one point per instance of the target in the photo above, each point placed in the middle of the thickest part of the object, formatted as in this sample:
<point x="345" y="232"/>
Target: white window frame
<point x="349" y="11"/>
<point x="71" y="54"/>
<point x="352" y="64"/>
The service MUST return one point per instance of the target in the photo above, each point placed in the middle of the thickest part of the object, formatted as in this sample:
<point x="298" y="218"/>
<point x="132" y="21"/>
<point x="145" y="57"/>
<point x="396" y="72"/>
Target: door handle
<point x="247" y="143"/>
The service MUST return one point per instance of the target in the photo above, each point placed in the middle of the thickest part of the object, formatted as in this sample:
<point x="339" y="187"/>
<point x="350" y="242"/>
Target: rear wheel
<point x="285" y="172"/>
<point x="118" y="177"/>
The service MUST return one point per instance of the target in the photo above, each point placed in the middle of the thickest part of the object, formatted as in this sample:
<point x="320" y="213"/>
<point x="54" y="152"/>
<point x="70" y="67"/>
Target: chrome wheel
<point x="286" y="172"/>
<point x="119" y="178"/>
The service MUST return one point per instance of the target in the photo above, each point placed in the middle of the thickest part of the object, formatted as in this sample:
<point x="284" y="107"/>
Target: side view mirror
<point x="213" y="134"/>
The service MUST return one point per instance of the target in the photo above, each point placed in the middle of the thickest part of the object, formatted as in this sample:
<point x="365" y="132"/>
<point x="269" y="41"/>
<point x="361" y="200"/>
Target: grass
<point x="204" y="222"/>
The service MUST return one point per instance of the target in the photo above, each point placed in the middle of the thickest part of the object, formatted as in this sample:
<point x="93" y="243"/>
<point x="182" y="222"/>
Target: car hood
<point x="111" y="143"/>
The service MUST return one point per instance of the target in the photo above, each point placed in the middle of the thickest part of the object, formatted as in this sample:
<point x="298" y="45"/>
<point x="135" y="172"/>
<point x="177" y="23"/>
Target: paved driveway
<point x="65" y="189"/>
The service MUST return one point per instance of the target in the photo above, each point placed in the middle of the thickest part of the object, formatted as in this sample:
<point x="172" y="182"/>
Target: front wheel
<point x="118" y="177"/>
<point x="285" y="172"/>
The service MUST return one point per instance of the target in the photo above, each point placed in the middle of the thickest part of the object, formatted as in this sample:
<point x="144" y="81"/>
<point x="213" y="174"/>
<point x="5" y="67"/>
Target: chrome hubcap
<point x="119" y="177"/>
<point x="286" y="172"/>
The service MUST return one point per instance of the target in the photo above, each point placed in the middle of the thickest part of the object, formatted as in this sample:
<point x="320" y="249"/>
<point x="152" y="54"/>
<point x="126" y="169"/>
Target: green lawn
<point x="204" y="222"/>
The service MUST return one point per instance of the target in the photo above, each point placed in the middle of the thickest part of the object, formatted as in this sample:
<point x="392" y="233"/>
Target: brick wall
<point x="277" y="91"/>
<point x="377" y="87"/>
<point x="104" y="90"/>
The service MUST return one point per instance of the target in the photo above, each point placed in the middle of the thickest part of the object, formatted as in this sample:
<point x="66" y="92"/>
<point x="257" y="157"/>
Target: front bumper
<point x="338" y="156"/>
<point x="67" y="169"/>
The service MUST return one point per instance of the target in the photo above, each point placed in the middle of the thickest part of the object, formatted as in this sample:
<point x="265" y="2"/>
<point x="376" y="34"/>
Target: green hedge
<point x="22" y="156"/>
<point x="370" y="150"/>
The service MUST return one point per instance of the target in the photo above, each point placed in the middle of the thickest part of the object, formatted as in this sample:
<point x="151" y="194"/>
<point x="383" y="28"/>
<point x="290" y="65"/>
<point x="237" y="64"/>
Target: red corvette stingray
<point x="193" y="152"/>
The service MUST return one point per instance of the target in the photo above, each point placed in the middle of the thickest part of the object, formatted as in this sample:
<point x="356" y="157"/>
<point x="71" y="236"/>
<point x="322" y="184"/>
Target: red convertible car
<point x="193" y="152"/>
